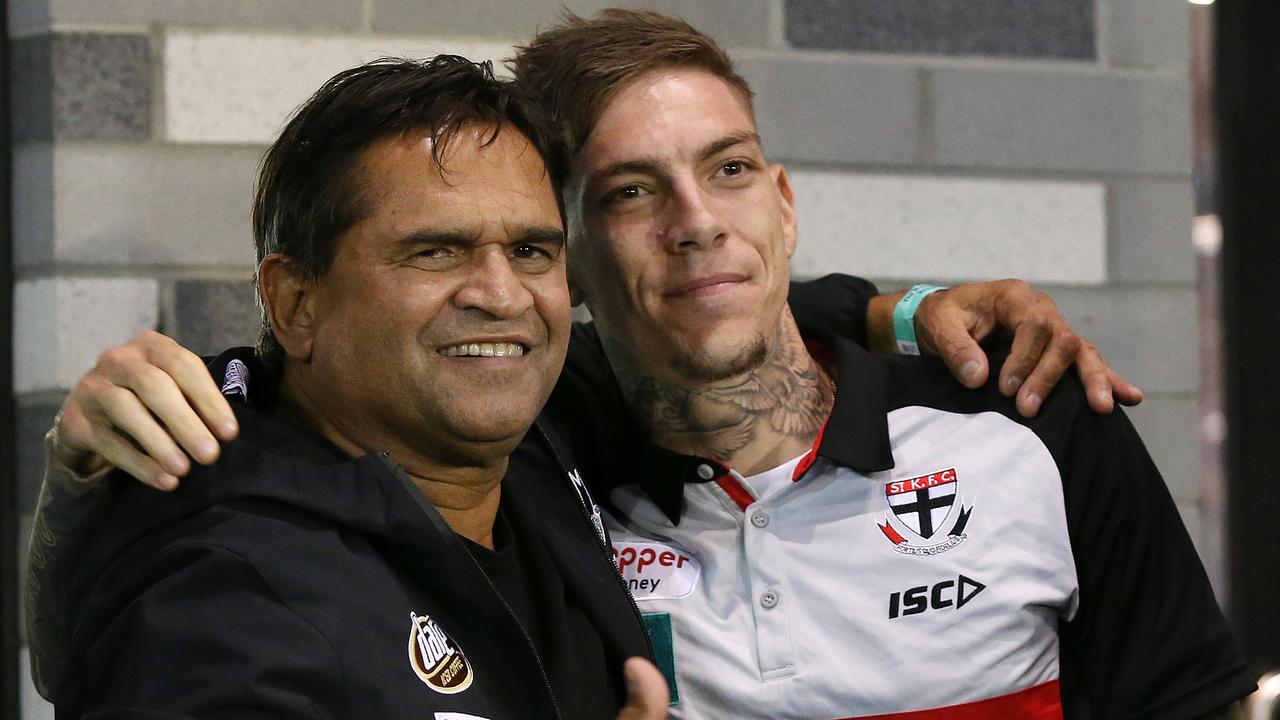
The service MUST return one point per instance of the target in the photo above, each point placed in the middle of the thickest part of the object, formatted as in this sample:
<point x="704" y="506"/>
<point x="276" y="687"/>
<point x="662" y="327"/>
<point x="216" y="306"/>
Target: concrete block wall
<point x="942" y="140"/>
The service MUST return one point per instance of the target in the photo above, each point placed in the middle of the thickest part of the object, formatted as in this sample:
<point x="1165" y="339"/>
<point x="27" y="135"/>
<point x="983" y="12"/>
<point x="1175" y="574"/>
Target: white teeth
<point x="483" y="350"/>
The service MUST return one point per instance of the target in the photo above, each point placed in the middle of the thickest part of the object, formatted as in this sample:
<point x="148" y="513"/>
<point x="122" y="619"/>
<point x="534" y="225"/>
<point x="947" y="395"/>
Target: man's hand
<point x="144" y="408"/>
<point x="951" y="323"/>
<point x="647" y="696"/>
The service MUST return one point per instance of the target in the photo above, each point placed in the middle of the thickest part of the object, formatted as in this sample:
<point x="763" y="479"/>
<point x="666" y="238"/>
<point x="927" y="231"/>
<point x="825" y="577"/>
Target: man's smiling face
<point x="681" y="232"/>
<point x="444" y="317"/>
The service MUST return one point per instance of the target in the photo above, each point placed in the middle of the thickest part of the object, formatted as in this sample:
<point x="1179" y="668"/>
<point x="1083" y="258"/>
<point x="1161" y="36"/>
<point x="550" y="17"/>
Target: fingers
<point x="1103" y="386"/>
<point x="74" y="432"/>
<point x="1057" y="348"/>
<point x="943" y="328"/>
<point x="191" y="376"/>
<point x="172" y="383"/>
<point x="144" y="408"/>
<point x="647" y="696"/>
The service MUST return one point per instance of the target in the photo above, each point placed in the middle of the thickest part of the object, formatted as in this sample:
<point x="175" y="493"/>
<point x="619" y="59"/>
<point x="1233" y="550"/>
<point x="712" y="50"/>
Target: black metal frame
<point x="9" y="696"/>
<point x="1249" y="171"/>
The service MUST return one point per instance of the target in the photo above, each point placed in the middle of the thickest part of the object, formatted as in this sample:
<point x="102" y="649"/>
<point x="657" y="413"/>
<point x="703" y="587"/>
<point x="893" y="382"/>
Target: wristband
<point x="904" y="317"/>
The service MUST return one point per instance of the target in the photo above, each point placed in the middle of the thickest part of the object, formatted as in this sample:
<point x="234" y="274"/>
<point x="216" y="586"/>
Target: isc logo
<point x="948" y="593"/>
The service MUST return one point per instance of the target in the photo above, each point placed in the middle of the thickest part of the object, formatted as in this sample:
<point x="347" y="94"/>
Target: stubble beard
<point x="701" y="367"/>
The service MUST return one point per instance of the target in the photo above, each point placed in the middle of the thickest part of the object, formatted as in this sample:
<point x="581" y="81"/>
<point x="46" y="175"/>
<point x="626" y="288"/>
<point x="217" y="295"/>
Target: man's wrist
<point x="880" y="323"/>
<point x="904" y="317"/>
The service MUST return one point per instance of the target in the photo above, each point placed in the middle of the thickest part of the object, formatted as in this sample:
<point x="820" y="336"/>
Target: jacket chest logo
<point x="435" y="658"/>
<point x="925" y="507"/>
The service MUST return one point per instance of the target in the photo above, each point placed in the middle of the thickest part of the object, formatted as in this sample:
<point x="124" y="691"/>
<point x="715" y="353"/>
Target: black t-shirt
<point x="529" y="580"/>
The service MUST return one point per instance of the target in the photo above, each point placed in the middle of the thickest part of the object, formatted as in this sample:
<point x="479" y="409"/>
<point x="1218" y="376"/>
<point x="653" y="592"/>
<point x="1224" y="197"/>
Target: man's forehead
<point x="669" y="107"/>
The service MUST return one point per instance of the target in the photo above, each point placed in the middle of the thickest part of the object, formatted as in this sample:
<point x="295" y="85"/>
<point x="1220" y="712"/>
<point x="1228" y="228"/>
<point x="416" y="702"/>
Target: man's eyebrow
<point x="540" y="236"/>
<point x="736" y="138"/>
<point x="435" y="238"/>
<point x="647" y="166"/>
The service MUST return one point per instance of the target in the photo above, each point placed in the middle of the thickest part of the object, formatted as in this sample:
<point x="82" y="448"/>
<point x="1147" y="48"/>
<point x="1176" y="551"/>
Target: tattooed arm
<point x="143" y="408"/>
<point x="68" y="509"/>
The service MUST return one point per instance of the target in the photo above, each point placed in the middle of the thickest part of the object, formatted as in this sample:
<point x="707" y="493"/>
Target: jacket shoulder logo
<point x="235" y="380"/>
<point x="924" y="506"/>
<point x="435" y="658"/>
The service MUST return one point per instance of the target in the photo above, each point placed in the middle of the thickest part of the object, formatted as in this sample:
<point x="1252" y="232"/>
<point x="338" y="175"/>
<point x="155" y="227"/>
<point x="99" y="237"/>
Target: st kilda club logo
<point x="927" y="509"/>
<point x="436" y="659"/>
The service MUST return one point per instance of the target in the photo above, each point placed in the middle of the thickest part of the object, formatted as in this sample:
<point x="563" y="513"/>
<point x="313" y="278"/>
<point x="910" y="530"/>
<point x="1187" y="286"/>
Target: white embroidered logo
<point x="235" y="381"/>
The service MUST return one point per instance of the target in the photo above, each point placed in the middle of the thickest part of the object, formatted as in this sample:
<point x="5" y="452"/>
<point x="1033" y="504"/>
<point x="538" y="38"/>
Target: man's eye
<point x="525" y="252"/>
<point x="434" y="252"/>
<point x="733" y="167"/>
<point x="626" y="192"/>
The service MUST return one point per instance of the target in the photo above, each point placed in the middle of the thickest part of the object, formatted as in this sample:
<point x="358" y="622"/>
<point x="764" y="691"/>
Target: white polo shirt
<point x="935" y="556"/>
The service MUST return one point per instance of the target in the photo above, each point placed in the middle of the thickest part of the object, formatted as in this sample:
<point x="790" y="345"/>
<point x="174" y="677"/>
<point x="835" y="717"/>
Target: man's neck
<point x="751" y="422"/>
<point x="465" y="492"/>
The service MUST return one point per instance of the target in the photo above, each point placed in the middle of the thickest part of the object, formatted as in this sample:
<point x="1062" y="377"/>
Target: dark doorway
<point x="1249" y="165"/>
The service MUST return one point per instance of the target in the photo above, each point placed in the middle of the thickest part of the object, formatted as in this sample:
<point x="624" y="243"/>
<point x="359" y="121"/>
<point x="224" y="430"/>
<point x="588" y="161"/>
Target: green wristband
<point x="904" y="317"/>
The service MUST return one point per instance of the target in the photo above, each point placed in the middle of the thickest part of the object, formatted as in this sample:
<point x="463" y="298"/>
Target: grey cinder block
<point x="82" y="86"/>
<point x="130" y="205"/>
<point x="740" y="23"/>
<point x="1147" y="33"/>
<point x="1058" y="29"/>
<point x="1151" y="231"/>
<point x="210" y="316"/>
<point x="1148" y="334"/>
<point x="1037" y="119"/>
<point x="826" y="110"/>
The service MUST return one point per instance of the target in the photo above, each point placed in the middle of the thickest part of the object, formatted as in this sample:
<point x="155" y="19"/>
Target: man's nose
<point x="493" y="286"/>
<point x="693" y="221"/>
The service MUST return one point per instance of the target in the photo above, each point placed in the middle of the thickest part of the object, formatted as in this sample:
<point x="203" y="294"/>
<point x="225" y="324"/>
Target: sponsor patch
<point x="435" y="658"/>
<point x="925" y="507"/>
<point x="664" y="649"/>
<point x="656" y="571"/>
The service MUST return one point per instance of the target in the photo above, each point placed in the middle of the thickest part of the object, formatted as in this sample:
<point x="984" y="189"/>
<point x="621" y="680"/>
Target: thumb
<point x="646" y="691"/>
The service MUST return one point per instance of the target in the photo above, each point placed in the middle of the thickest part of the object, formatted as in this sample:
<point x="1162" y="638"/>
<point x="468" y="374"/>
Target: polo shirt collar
<point x="856" y="434"/>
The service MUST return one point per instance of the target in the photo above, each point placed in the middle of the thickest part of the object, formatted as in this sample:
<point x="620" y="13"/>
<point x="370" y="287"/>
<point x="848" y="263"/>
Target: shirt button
<point x="769" y="599"/>
<point x="705" y="472"/>
<point x="760" y="518"/>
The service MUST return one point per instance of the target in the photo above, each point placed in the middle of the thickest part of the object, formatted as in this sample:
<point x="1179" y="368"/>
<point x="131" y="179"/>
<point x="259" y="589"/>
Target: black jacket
<point x="289" y="581"/>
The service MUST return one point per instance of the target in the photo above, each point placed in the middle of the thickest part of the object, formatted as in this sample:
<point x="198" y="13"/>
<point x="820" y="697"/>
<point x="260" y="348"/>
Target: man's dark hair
<point x="308" y="191"/>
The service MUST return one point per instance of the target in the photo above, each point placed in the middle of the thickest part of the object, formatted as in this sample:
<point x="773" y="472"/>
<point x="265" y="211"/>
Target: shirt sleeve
<point x="1147" y="639"/>
<point x="833" y="304"/>
<point x="195" y="631"/>
<point x="69" y="507"/>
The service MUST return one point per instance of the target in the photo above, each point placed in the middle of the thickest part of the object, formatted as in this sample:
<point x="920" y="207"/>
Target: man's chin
<point x="706" y="365"/>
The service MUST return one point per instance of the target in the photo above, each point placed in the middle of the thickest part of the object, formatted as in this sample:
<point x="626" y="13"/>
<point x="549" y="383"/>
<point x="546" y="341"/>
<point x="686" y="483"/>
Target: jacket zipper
<point x="528" y="639"/>
<point x="605" y="551"/>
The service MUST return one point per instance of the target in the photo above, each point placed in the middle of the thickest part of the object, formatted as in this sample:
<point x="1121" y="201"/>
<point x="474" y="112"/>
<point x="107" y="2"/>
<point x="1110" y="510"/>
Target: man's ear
<point x="788" y="207"/>
<point x="288" y="297"/>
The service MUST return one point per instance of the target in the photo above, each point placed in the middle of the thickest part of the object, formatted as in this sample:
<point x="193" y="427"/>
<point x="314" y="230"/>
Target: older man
<point x="368" y="547"/>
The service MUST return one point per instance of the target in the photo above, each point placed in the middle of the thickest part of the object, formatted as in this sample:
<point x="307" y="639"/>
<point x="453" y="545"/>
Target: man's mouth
<point x="487" y="349"/>
<point x="706" y="285"/>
